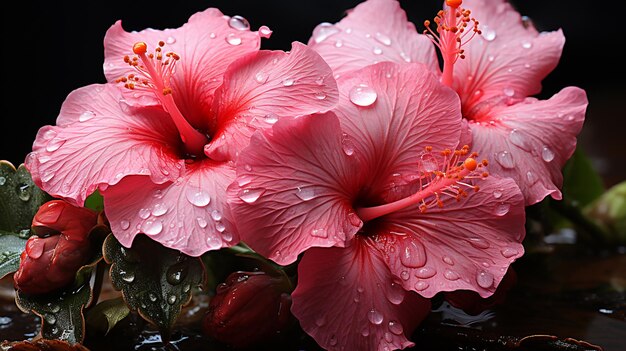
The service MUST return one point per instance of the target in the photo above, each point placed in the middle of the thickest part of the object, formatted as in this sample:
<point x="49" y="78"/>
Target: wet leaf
<point x="41" y="345"/>
<point x="154" y="280"/>
<point x="95" y="201"/>
<point x="609" y="213"/>
<point x="11" y="248"/>
<point x="105" y="315"/>
<point x="581" y="183"/>
<point x="62" y="312"/>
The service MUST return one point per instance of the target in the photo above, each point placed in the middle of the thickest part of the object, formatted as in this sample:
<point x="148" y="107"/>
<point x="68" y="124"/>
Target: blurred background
<point x="53" y="47"/>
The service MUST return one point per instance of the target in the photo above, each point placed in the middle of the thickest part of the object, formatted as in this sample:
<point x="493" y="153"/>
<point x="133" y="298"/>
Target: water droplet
<point x="24" y="192"/>
<point x="186" y="288"/>
<point x="412" y="253"/>
<point x="261" y="77"/>
<point x="3" y="180"/>
<point x="362" y="95"/>
<point x="201" y="222"/>
<point x="220" y="227"/>
<point x="50" y="319"/>
<point x="214" y="243"/>
<point x="271" y="118"/>
<point x="404" y="275"/>
<point x="338" y="43"/>
<point x="508" y="92"/>
<point x="491" y="58"/>
<point x="547" y="154"/>
<point x="428" y="163"/>
<point x="479" y="243"/>
<point x="501" y="209"/>
<point x="49" y="134"/>
<point x="265" y="31"/>
<point x="129" y="255"/>
<point x="484" y="279"/>
<point x="347" y="146"/>
<point x="451" y="275"/>
<point x="159" y="209"/>
<point x="305" y="193"/>
<point x="171" y="299"/>
<point x="170" y="40"/>
<point x="128" y="277"/>
<point x="421" y="285"/>
<point x="47" y="175"/>
<point x="320" y="321"/>
<point x="383" y="39"/>
<point x="505" y="159"/>
<point x="233" y="39"/>
<point x="55" y="144"/>
<point x="197" y="197"/>
<point x="153" y="297"/>
<point x="216" y="215"/>
<point x="365" y="332"/>
<point x="395" y="327"/>
<point x="497" y="193"/>
<point x="519" y="139"/>
<point x="448" y="260"/>
<point x="144" y="213"/>
<point x="425" y="272"/>
<point x="152" y="227"/>
<point x="212" y="35"/>
<point x="87" y="115"/>
<point x="34" y="249"/>
<point x="124" y="224"/>
<point x="250" y="195"/>
<point x="323" y="31"/>
<point x="527" y="45"/>
<point x="405" y="57"/>
<point x="320" y="95"/>
<point x="531" y="177"/>
<point x="377" y="50"/>
<point x="509" y="252"/>
<point x="395" y="294"/>
<point x="333" y="340"/>
<point x="238" y="23"/>
<point x="176" y="273"/>
<point x="488" y="33"/>
<point x="288" y="82"/>
<point x="375" y="317"/>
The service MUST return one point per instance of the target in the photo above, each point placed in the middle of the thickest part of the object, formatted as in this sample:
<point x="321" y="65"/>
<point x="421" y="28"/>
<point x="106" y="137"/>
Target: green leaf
<point x="154" y="280"/>
<point x="105" y="315"/>
<point x="581" y="183"/>
<point x="11" y="248"/>
<point x="61" y="312"/>
<point x="95" y="201"/>
<point x="609" y="213"/>
<point x="20" y="199"/>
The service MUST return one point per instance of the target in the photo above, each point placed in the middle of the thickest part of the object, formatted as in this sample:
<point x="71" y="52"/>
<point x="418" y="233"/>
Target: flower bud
<point x="52" y="258"/>
<point x="248" y="309"/>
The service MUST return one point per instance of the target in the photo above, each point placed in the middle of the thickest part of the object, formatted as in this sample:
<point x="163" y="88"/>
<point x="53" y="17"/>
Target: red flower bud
<point x="250" y="308"/>
<point x="52" y="258"/>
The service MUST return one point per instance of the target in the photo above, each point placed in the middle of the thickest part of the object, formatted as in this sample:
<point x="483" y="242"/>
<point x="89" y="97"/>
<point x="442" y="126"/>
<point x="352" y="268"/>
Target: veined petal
<point x="294" y="188"/>
<point x="362" y="38"/>
<point x="189" y="215"/>
<point x="98" y="141"/>
<point x="206" y="44"/>
<point x="464" y="245"/>
<point x="410" y="111"/>
<point x="265" y="86"/>
<point x="367" y="309"/>
<point x="531" y="141"/>
<point x="510" y="58"/>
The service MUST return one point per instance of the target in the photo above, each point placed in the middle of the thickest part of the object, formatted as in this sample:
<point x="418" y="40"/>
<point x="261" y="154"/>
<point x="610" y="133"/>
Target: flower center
<point x="154" y="71"/>
<point x="441" y="180"/>
<point x="451" y="34"/>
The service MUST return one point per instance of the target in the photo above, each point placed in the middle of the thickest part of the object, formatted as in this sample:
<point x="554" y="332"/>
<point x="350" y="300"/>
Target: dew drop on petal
<point x="491" y="58"/>
<point x="451" y="275"/>
<point x="527" y="45"/>
<point x="144" y="213"/>
<point x="34" y="250"/>
<point x="238" y="23"/>
<point x="508" y="92"/>
<point x="197" y="197"/>
<point x="497" y="193"/>
<point x="319" y="233"/>
<point x="347" y="146"/>
<point x="505" y="159"/>
<point x="87" y="115"/>
<point x="395" y="294"/>
<point x="227" y="236"/>
<point x="320" y="95"/>
<point x="509" y="252"/>
<point x="375" y="317"/>
<point x="395" y="327"/>
<point x="124" y="224"/>
<point x="54" y="144"/>
<point x="212" y="35"/>
<point x="47" y="175"/>
<point x="338" y="43"/>
<point x="484" y="279"/>
<point x="377" y="50"/>
<point x="421" y="285"/>
<point x="333" y="340"/>
<point x="405" y="275"/>
<point x="429" y="163"/>
<point x="216" y="215"/>
<point x="362" y="95"/>
<point x="488" y="33"/>
<point x="250" y="195"/>
<point x="305" y="193"/>
<point x="320" y="321"/>
<point x="531" y="177"/>
<point x="405" y="57"/>
<point x="170" y="40"/>
<point x="323" y="31"/>
<point x="519" y="139"/>
<point x="214" y="243"/>
<point x="265" y="31"/>
<point x="382" y="38"/>
<point x="233" y="39"/>
<point x="547" y="154"/>
<point x="479" y="243"/>
<point x="261" y="77"/>
<point x="448" y="260"/>
<point x="412" y="253"/>
<point x="220" y="227"/>
<point x="201" y="222"/>
<point x="365" y="332"/>
<point x="152" y="227"/>
<point x="159" y="209"/>
<point x="425" y="272"/>
<point x="288" y="82"/>
<point x="271" y="118"/>
<point x="501" y="209"/>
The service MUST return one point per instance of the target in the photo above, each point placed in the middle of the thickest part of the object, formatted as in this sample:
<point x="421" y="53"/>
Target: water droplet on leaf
<point x="362" y="95"/>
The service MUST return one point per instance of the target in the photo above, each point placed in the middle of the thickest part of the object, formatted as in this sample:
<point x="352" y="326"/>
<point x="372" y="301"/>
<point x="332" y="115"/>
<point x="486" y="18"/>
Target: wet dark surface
<point x="562" y="291"/>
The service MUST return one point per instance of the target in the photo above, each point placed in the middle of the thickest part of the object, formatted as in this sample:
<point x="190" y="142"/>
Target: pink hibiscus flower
<point x="385" y="213"/>
<point x="494" y="73"/>
<point x="159" y="140"/>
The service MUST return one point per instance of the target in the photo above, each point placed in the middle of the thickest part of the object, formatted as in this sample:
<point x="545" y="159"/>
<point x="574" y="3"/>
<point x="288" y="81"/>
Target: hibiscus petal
<point x="531" y="141"/>
<point x="361" y="38"/>
<point x="263" y="87"/>
<point x="346" y="299"/>
<point x="411" y="110"/>
<point x="464" y="245"/>
<point x="293" y="189"/>
<point x="189" y="215"/>
<point x="206" y="44"/>
<point x="98" y="140"/>
<point x="510" y="58"/>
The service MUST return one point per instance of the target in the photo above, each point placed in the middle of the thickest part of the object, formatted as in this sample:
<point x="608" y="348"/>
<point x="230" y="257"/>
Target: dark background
<point x="50" y="48"/>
